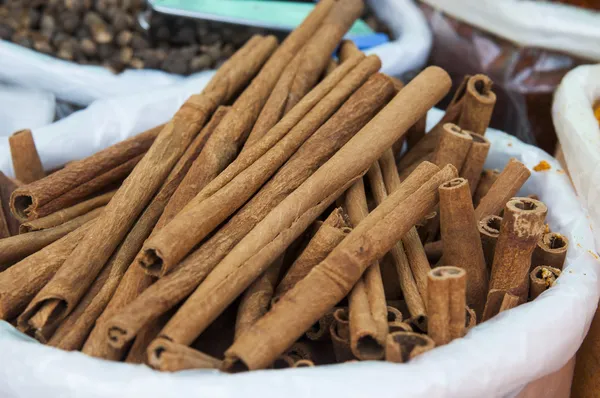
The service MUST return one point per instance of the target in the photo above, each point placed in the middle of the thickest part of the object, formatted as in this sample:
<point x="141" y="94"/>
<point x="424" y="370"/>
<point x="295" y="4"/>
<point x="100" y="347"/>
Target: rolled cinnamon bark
<point x="462" y="244"/>
<point x="319" y="331"/>
<point x="367" y="306"/>
<point x="28" y="198"/>
<point x="98" y="184"/>
<point x="348" y="50"/>
<point x="434" y="250"/>
<point x="331" y="280"/>
<point x="25" y="159"/>
<point x="4" y="231"/>
<point x="508" y="301"/>
<point x="284" y="362"/>
<point x="58" y="298"/>
<point x="18" y="247"/>
<point x="129" y="285"/>
<point x="256" y="299"/>
<point x="505" y="187"/>
<point x="67" y="214"/>
<point x="427" y="227"/>
<point x="21" y="282"/>
<point x="7" y="186"/>
<point x="399" y="327"/>
<point x="475" y="159"/>
<point x="303" y="363"/>
<point x="551" y="251"/>
<point x="522" y="227"/>
<point x="173" y="357"/>
<point x="138" y="351"/>
<point x="347" y="164"/>
<point x="393" y="314"/>
<point x="453" y="146"/>
<point x="471" y="320"/>
<point x="340" y="336"/>
<point x="333" y="230"/>
<point x="542" y="278"/>
<point x="207" y="210"/>
<point x="479" y="102"/>
<point x="486" y="179"/>
<point x="489" y="229"/>
<point x="401" y="347"/>
<point x="320" y="47"/>
<point x="446" y="303"/>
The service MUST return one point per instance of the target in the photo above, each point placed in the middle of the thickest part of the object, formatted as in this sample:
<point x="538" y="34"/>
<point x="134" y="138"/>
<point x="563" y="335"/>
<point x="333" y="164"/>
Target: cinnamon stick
<point x="58" y="298"/>
<point x="21" y="282"/>
<point x="551" y="251"/>
<point x="303" y="363"/>
<point x="434" y="250"/>
<point x="67" y="214"/>
<point x="509" y="301"/>
<point x="348" y="50"/>
<point x="475" y="159"/>
<point x="320" y="47"/>
<point x="331" y="280"/>
<point x="208" y="209"/>
<point x="256" y="299"/>
<point x="486" y="180"/>
<point x="28" y="198"/>
<point x="138" y="351"/>
<point x="415" y="253"/>
<point x="125" y="287"/>
<point x="453" y="146"/>
<point x="399" y="327"/>
<point x="427" y="228"/>
<point x="319" y="331"/>
<point x="340" y="336"/>
<point x="446" y="303"/>
<point x="7" y="186"/>
<point x="333" y="230"/>
<point x="479" y="101"/>
<point x="401" y="347"/>
<point x="367" y="306"/>
<point x="18" y="247"/>
<point x="4" y="231"/>
<point x="542" y="278"/>
<point x="25" y="158"/>
<point x="489" y="229"/>
<point x="460" y="237"/>
<point x="393" y="314"/>
<point x="522" y="227"/>
<point x="173" y="357"/>
<point x="505" y="187"/>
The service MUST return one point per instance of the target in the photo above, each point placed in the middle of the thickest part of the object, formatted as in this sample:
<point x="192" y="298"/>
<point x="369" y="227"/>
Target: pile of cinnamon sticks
<point x="278" y="220"/>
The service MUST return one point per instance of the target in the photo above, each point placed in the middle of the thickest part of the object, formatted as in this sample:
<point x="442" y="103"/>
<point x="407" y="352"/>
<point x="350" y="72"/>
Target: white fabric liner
<point x="496" y="359"/>
<point x="551" y="26"/>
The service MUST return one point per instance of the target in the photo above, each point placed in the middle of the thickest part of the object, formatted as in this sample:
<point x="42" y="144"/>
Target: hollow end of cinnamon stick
<point x="304" y="363"/>
<point x="401" y="347"/>
<point x="44" y="313"/>
<point x="399" y="327"/>
<point x="342" y="322"/>
<point x="480" y="86"/>
<point x="118" y="336"/>
<point x="22" y="204"/>
<point x="551" y="250"/>
<point x="527" y="206"/>
<point x="151" y="261"/>
<point x="284" y="362"/>
<point x="542" y="278"/>
<point x="393" y="314"/>
<point x="490" y="225"/>
<point x="419" y="323"/>
<point x="233" y="364"/>
<point x="368" y="348"/>
<point x="447" y="272"/>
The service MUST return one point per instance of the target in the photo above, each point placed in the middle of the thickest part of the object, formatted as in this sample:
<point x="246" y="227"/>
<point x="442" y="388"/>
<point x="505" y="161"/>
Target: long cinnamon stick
<point x="551" y="250"/>
<point x="522" y="227"/>
<point x="58" y="298"/>
<point x="505" y="187"/>
<point x="25" y="159"/>
<point x="206" y="210"/>
<point x="314" y="152"/>
<point x="489" y="229"/>
<point x="479" y="101"/>
<point x="333" y="230"/>
<point x="125" y="287"/>
<point x="7" y="186"/>
<point x="401" y="347"/>
<point x="28" y="198"/>
<point x="174" y="357"/>
<point x="67" y="214"/>
<point x="453" y="146"/>
<point x="334" y="277"/>
<point x="446" y="292"/>
<point x="475" y="159"/>
<point x="460" y="237"/>
<point x="18" y="247"/>
<point x="4" y="231"/>
<point x="23" y="280"/>
<point x="486" y="180"/>
<point x="542" y="278"/>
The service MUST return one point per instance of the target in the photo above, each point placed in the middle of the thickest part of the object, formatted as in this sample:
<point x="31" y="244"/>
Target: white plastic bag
<point x="579" y="134"/>
<point x="22" y="108"/>
<point x="81" y="84"/>
<point x="496" y="359"/>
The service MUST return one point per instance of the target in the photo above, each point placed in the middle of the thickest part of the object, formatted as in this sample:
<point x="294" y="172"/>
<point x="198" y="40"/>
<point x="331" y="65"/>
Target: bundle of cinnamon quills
<point x="294" y="213"/>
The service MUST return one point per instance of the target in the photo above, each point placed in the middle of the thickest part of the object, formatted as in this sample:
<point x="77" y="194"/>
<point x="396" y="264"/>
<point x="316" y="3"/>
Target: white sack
<point x="496" y="358"/>
<point x="82" y="84"/>
<point x="579" y="134"/>
<point x="22" y="108"/>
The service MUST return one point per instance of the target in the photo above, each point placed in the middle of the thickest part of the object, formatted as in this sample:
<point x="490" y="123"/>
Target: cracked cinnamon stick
<point x="58" y="298"/>
<point x="475" y="159"/>
<point x="551" y="251"/>
<point x="16" y="248"/>
<point x="333" y="230"/>
<point x="25" y="159"/>
<point x="542" y="278"/>
<point x="505" y="187"/>
<point x="208" y="209"/>
<point x="446" y="303"/>
<point x="460" y="237"/>
<point x="401" y="347"/>
<point x="66" y="214"/>
<point x="489" y="229"/>
<point x="522" y="226"/>
<point x="331" y="280"/>
<point x="173" y="357"/>
<point x="28" y="198"/>
<point x="486" y="180"/>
